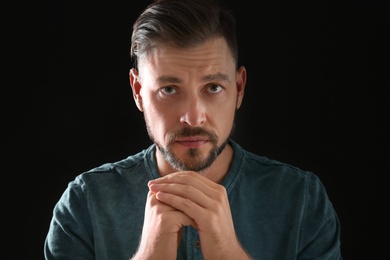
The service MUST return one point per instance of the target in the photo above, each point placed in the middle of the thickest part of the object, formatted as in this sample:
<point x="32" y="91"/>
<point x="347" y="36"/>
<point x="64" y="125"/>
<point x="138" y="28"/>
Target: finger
<point x="170" y="216"/>
<point x="188" y="192"/>
<point x="186" y="206"/>
<point x="189" y="178"/>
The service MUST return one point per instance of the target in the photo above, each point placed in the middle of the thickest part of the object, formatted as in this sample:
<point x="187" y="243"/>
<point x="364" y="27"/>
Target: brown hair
<point x="182" y="23"/>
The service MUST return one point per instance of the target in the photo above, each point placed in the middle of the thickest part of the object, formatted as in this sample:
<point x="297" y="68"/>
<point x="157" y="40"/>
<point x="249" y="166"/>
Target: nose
<point x="194" y="112"/>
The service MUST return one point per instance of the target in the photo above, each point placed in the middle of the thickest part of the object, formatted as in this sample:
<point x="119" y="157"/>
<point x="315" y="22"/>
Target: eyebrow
<point x="216" y="77"/>
<point x="168" y="80"/>
<point x="207" y="78"/>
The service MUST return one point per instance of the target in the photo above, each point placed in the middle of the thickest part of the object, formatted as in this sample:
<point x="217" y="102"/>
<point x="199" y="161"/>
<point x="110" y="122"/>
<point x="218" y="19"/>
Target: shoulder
<point x="262" y="164"/>
<point x="279" y="178"/>
<point x="257" y="169"/>
<point x="131" y="166"/>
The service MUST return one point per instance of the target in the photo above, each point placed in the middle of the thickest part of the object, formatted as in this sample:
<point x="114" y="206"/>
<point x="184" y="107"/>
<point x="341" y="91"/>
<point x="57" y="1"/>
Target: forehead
<point x="213" y="54"/>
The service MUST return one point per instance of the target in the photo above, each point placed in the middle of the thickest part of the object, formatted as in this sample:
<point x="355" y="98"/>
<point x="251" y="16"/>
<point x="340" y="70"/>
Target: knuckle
<point x="187" y="189"/>
<point x="186" y="203"/>
<point x="221" y="194"/>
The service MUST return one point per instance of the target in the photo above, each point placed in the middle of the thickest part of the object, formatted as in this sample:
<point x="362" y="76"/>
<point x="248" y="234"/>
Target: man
<point x="194" y="193"/>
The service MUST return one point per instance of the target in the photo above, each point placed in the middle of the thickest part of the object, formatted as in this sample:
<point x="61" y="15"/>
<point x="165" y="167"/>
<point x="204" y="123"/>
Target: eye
<point x="214" y="88"/>
<point x="168" y="90"/>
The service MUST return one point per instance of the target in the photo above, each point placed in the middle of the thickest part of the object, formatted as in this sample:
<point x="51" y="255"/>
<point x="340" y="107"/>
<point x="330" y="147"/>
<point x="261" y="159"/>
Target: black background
<point x="316" y="98"/>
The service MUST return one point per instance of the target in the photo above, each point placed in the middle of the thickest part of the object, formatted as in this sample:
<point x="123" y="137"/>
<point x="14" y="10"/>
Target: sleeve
<point x="320" y="229"/>
<point x="70" y="233"/>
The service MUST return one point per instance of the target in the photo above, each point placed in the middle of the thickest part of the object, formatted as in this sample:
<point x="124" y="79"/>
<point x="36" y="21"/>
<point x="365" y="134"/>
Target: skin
<point x="197" y="89"/>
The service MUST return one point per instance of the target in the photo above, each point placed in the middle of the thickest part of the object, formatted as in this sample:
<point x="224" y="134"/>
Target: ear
<point x="136" y="87"/>
<point x="240" y="85"/>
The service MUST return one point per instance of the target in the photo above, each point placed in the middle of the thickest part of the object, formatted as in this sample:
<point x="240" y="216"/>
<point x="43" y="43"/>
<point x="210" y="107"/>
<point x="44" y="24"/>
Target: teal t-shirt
<point x="279" y="211"/>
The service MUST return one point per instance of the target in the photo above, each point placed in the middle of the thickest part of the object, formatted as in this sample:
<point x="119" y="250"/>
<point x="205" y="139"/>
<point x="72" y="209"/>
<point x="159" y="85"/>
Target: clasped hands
<point x="188" y="199"/>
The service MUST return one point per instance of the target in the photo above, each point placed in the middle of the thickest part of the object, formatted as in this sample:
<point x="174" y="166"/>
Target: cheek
<point x="160" y="122"/>
<point x="227" y="117"/>
<point x="223" y="119"/>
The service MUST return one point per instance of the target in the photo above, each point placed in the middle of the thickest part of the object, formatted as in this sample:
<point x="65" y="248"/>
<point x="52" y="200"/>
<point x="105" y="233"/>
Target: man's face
<point x="189" y="98"/>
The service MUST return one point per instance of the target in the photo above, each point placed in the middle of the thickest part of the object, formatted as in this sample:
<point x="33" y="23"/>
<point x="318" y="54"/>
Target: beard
<point x="196" y="161"/>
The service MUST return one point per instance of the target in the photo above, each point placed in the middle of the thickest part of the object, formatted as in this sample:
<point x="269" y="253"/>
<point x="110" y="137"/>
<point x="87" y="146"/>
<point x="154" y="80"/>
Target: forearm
<point x="164" y="247"/>
<point x="231" y="251"/>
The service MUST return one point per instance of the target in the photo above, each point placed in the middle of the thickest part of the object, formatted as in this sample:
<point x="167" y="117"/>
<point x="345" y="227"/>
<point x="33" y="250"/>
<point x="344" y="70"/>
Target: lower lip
<point x="192" y="144"/>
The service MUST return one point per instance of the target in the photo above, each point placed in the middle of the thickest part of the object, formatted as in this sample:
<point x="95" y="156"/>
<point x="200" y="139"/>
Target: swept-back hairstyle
<point x="182" y="23"/>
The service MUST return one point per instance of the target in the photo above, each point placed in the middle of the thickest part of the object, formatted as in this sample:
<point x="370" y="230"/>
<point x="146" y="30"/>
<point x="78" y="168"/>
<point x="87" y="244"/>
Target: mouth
<point x="193" y="141"/>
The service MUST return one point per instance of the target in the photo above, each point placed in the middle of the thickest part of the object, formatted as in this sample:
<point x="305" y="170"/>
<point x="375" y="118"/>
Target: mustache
<point x="192" y="131"/>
